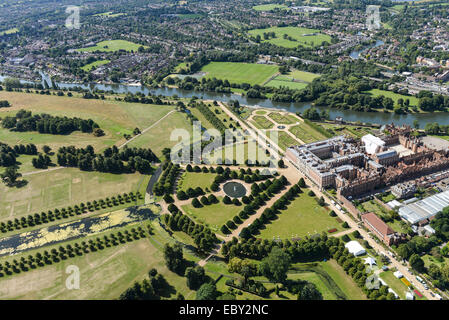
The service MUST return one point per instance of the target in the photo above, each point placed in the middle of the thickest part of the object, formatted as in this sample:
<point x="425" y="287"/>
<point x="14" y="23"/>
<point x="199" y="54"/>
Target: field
<point x="240" y="152"/>
<point x="286" y="83"/>
<point x="303" y="36"/>
<point x="214" y="215"/>
<point x="194" y="180"/>
<point x="302" y="217"/>
<point x="95" y="64"/>
<point x="61" y="188"/>
<point x="306" y="133"/>
<point x="269" y="7"/>
<point x="394" y="283"/>
<point x="394" y="96"/>
<point x="112" y="46"/>
<point x="159" y="136"/>
<point x="115" y="118"/>
<point x="104" y="274"/>
<point x="330" y="279"/>
<point x="236" y="72"/>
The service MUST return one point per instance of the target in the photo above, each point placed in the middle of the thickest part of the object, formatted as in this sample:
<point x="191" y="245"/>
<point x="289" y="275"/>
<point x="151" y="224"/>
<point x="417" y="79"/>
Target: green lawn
<point x="112" y="46"/>
<point x="302" y="217"/>
<point x="61" y="188"/>
<point x="95" y="64"/>
<point x="269" y="7"/>
<point x="286" y="83"/>
<point x="283" y="119"/>
<point x="284" y="140"/>
<point x="239" y="152"/>
<point x="306" y="133"/>
<point x="214" y="215"/>
<point x="115" y="118"/>
<point x="394" y="283"/>
<point x="303" y="75"/>
<point x="394" y="96"/>
<point x="235" y="72"/>
<point x="160" y="136"/>
<point x="261" y="122"/>
<point x="194" y="180"/>
<point x="301" y="35"/>
<point x="344" y="281"/>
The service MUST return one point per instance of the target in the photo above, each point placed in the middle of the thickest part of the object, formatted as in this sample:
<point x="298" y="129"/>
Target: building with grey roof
<point x="423" y="210"/>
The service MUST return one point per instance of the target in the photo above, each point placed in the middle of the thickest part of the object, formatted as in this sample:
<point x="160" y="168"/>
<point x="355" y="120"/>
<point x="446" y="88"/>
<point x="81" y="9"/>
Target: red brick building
<point x="379" y="228"/>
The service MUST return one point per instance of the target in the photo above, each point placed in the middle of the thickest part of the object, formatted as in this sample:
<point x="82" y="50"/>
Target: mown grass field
<point x="108" y="14"/>
<point x="48" y="190"/>
<point x="394" y="283"/>
<point x="302" y="217"/>
<point x="115" y="118"/>
<point x="214" y="215"/>
<point x="235" y="72"/>
<point x="95" y="64"/>
<point x="240" y="152"/>
<point x="299" y="34"/>
<point x="286" y="83"/>
<point x="394" y="96"/>
<point x="194" y="180"/>
<point x="269" y="7"/>
<point x="112" y="46"/>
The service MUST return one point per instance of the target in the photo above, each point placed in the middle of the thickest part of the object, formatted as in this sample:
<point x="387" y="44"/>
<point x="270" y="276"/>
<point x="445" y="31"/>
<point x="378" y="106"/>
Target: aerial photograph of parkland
<point x="224" y="150"/>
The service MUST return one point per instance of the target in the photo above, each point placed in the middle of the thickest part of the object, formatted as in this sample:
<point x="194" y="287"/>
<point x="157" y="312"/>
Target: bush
<point x="345" y="225"/>
<point x="311" y="193"/>
<point x="345" y="238"/>
<point x="332" y="213"/>
<point x="227" y="200"/>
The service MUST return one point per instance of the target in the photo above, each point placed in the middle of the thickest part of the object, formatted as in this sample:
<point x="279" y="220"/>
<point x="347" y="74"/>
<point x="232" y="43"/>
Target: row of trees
<point x="66" y="212"/>
<point x="166" y="182"/>
<point x="9" y="154"/>
<point x="41" y="259"/>
<point x="203" y="237"/>
<point x="113" y="160"/>
<point x="211" y="117"/>
<point x="45" y="123"/>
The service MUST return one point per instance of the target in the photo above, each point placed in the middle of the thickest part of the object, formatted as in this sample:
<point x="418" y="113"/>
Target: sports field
<point x="303" y="36"/>
<point x="269" y="7"/>
<point x="236" y="72"/>
<point x="302" y="217"/>
<point x="112" y="46"/>
<point x="88" y="67"/>
<point x="394" y="96"/>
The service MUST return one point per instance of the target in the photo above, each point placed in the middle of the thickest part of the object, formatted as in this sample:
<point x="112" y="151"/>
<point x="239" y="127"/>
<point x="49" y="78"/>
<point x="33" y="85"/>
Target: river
<point x="348" y="115"/>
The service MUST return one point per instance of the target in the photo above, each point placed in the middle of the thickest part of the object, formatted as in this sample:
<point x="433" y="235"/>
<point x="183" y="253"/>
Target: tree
<point x="275" y="265"/>
<point x="10" y="176"/>
<point x="417" y="263"/>
<point x="46" y="149"/>
<point x="309" y="292"/>
<point x="173" y="256"/>
<point x="195" y="277"/>
<point x="196" y="203"/>
<point x="207" y="291"/>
